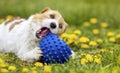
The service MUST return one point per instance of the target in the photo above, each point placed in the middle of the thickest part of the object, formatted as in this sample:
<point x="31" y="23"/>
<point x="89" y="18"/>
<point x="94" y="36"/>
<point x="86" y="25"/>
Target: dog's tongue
<point x="42" y="32"/>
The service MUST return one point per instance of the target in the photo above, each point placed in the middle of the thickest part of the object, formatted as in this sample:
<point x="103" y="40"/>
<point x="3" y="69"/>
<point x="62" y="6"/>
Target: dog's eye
<point x="60" y="26"/>
<point x="52" y="16"/>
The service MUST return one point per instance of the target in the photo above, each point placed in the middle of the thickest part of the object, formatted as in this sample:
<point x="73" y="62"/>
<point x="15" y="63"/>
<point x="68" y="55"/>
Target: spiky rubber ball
<point x="54" y="49"/>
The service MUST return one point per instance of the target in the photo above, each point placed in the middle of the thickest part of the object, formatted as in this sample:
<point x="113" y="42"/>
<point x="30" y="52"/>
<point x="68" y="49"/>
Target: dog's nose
<point x="53" y="25"/>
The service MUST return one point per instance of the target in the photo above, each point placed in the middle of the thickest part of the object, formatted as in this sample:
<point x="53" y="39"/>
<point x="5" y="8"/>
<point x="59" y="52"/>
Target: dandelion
<point x="84" y="39"/>
<point x="38" y="64"/>
<point x="103" y="50"/>
<point x="70" y="41"/>
<point x="110" y="34"/>
<point x="93" y="43"/>
<point x="112" y="39"/>
<point x="93" y="20"/>
<point x="83" y="61"/>
<point x="99" y="40"/>
<point x="96" y="31"/>
<point x="72" y="37"/>
<point x="47" y="69"/>
<point x="9" y="17"/>
<point x="25" y="70"/>
<point x="12" y="68"/>
<point x="3" y="70"/>
<point x="85" y="46"/>
<point x="76" y="43"/>
<point x="89" y="57"/>
<point x="77" y="32"/>
<point x="34" y="71"/>
<point x="104" y="25"/>
<point x="1" y="61"/>
<point x="118" y="36"/>
<point x="86" y="24"/>
<point x="97" y="56"/>
<point x="1" y="20"/>
<point x="3" y="65"/>
<point x="64" y="35"/>
<point x="97" y="60"/>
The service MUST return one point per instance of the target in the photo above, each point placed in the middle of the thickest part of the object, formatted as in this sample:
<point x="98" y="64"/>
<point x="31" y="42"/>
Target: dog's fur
<point x="19" y="35"/>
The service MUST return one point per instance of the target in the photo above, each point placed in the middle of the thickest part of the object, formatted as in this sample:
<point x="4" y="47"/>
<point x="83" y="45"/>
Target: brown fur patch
<point x="10" y="20"/>
<point x="13" y="25"/>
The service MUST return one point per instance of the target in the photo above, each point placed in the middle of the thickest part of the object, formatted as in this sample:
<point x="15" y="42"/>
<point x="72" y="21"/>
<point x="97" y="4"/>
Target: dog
<point x="22" y="36"/>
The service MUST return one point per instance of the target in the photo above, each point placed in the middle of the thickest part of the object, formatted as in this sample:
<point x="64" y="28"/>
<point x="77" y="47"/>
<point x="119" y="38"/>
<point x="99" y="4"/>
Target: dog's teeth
<point x="37" y="32"/>
<point x="40" y="36"/>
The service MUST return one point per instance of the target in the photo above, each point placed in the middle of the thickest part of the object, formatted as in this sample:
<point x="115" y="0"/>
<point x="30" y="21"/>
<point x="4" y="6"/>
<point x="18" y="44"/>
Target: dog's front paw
<point x="37" y="53"/>
<point x="32" y="55"/>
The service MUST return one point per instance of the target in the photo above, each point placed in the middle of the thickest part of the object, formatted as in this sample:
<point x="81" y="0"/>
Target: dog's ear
<point x="44" y="10"/>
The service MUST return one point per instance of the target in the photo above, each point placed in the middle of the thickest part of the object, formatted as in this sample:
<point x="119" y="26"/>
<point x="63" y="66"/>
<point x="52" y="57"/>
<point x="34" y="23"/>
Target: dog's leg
<point x="31" y="56"/>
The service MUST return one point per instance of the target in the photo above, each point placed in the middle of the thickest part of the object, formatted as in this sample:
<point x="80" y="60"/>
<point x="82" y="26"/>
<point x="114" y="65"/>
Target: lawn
<point x="93" y="34"/>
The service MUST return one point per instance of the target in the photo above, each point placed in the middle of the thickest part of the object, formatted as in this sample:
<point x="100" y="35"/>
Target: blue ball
<point x="54" y="49"/>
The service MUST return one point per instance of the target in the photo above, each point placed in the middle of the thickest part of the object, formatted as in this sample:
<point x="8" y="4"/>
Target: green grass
<point x="75" y="12"/>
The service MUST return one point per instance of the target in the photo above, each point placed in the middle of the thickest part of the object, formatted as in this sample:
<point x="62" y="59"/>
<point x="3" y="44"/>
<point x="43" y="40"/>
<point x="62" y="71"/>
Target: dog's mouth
<point x="42" y="32"/>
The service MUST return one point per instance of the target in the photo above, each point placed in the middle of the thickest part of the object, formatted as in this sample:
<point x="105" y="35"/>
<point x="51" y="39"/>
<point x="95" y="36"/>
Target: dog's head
<point x="48" y="20"/>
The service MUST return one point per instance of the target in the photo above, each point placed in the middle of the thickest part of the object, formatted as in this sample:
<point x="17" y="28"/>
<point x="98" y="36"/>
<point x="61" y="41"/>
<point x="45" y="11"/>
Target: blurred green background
<point x="74" y="11"/>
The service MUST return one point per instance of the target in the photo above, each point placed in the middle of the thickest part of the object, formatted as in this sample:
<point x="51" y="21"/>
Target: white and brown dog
<point x="22" y="36"/>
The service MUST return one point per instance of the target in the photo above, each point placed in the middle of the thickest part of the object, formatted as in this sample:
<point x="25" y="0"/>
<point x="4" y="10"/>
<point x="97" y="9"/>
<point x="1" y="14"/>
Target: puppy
<point x="22" y="36"/>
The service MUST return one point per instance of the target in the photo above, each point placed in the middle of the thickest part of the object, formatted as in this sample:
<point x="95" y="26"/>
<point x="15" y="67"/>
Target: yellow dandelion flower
<point x="1" y="61"/>
<point x="97" y="56"/>
<point x="93" y="21"/>
<point x="38" y="64"/>
<point x="70" y="41"/>
<point x="72" y="37"/>
<point x="3" y="65"/>
<point x="93" y="43"/>
<point x="96" y="31"/>
<point x="97" y="60"/>
<point x="85" y="46"/>
<point x="103" y="50"/>
<point x="9" y="17"/>
<point x="25" y="70"/>
<point x="118" y="36"/>
<point x="47" y="69"/>
<point x="1" y="20"/>
<point x="34" y="71"/>
<point x="76" y="42"/>
<point x="99" y="40"/>
<point x="89" y="57"/>
<point x="112" y="39"/>
<point x="86" y="24"/>
<point x="110" y="34"/>
<point x="77" y="32"/>
<point x="12" y="68"/>
<point x="104" y="25"/>
<point x="64" y="35"/>
<point x="84" y="39"/>
<point x="83" y="61"/>
<point x="3" y="70"/>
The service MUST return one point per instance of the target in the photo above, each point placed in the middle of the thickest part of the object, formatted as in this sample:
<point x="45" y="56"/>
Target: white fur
<point x="21" y="40"/>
